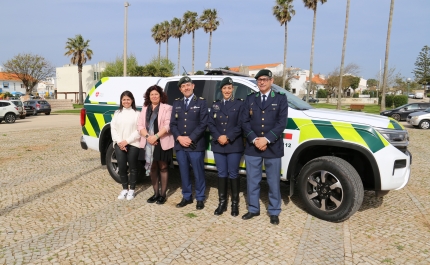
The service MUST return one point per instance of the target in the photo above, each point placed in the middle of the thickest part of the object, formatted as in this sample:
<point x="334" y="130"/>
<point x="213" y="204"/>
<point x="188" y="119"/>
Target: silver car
<point x="419" y="119"/>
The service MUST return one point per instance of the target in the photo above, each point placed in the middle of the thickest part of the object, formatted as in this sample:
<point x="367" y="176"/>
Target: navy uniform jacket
<point x="268" y="122"/>
<point x="191" y="122"/>
<point x="226" y="120"/>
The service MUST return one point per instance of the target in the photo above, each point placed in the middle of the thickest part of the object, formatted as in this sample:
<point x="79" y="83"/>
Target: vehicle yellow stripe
<point x="348" y="133"/>
<point x="384" y="141"/>
<point x="100" y="120"/>
<point x="89" y="127"/>
<point x="307" y="130"/>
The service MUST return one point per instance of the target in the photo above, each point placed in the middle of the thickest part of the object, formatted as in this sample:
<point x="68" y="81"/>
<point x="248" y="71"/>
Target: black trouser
<point x="131" y="157"/>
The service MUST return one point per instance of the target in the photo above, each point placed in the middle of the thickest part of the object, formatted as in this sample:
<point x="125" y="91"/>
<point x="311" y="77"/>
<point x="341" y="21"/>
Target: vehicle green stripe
<point x="94" y="123"/>
<point x="291" y="125"/>
<point x="396" y="125"/>
<point x="84" y="131"/>
<point x="327" y="129"/>
<point x="370" y="136"/>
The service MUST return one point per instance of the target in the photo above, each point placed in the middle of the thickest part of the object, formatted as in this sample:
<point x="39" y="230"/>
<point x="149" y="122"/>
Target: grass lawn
<point x="76" y="109"/>
<point x="373" y="109"/>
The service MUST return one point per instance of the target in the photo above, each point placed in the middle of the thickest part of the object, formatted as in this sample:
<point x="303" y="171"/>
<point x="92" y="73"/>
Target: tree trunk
<point x="167" y="49"/>
<point x="159" y="51"/>
<point x="312" y="53"/>
<point x="285" y="57"/>
<point x="179" y="55"/>
<point x="192" y="61"/>
<point x="345" y="33"/>
<point x="209" y="53"/>
<point x="387" y="52"/>
<point x="81" y="96"/>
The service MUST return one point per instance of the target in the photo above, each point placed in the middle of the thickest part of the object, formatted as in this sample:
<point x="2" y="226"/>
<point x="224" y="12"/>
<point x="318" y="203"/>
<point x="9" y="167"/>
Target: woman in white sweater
<point x="126" y="139"/>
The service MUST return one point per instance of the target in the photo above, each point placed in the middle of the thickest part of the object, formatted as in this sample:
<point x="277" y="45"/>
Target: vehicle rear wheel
<point x="9" y="118"/>
<point x="47" y="113"/>
<point x="396" y="117"/>
<point x="22" y="116"/>
<point x="330" y="188"/>
<point x="112" y="163"/>
<point x="424" y="124"/>
<point x="35" y="113"/>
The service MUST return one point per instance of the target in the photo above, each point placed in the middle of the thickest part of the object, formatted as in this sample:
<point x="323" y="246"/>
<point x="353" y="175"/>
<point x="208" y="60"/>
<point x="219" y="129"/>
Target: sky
<point x="248" y="33"/>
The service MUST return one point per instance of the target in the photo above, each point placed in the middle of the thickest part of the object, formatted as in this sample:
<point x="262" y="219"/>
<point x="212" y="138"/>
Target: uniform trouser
<point x="196" y="159"/>
<point x="227" y="164"/>
<point x="253" y="178"/>
<point x="123" y="158"/>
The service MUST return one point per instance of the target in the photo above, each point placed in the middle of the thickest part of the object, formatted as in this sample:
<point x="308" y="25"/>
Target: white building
<point x="47" y="87"/>
<point x="11" y="83"/>
<point x="67" y="80"/>
<point x="252" y="70"/>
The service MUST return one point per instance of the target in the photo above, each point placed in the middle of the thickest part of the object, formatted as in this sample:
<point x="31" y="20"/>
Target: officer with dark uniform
<point x="264" y="118"/>
<point x="227" y="145"/>
<point x="188" y="125"/>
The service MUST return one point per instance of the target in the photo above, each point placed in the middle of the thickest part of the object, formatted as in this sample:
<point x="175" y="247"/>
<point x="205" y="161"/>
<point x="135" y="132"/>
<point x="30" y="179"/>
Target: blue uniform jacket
<point x="226" y="120"/>
<point x="191" y="122"/>
<point x="268" y="122"/>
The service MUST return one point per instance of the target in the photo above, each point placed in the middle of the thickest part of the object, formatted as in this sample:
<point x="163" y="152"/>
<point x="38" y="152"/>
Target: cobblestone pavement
<point x="58" y="205"/>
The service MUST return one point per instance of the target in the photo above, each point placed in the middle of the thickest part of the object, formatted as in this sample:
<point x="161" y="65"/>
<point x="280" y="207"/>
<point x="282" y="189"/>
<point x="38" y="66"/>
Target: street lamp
<point x="408" y="80"/>
<point x="208" y="65"/>
<point x="126" y="4"/>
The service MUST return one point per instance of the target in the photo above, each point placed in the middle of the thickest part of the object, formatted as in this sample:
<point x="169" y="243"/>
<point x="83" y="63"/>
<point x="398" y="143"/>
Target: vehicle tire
<point x="396" y="117"/>
<point x="47" y="113"/>
<point x="9" y="118"/>
<point x="35" y="113"/>
<point x="330" y="188"/>
<point x="22" y="116"/>
<point x="424" y="124"/>
<point x="112" y="163"/>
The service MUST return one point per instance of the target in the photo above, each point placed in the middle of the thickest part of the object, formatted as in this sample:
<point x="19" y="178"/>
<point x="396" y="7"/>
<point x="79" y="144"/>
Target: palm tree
<point x="283" y="11"/>
<point x="156" y="35"/>
<point x="177" y="32"/>
<point x="345" y="33"/>
<point x="387" y="52"/>
<point x="191" y="24"/>
<point x="209" y="21"/>
<point x="165" y="35"/>
<point x="79" y="49"/>
<point x="312" y="4"/>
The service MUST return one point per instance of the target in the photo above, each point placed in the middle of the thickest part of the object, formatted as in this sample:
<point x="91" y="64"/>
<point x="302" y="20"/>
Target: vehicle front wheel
<point x="47" y="113"/>
<point x="112" y="163"/>
<point x="9" y="118"/>
<point x="330" y="188"/>
<point x="424" y="124"/>
<point x="35" y="113"/>
<point x="396" y="117"/>
<point x="22" y="116"/>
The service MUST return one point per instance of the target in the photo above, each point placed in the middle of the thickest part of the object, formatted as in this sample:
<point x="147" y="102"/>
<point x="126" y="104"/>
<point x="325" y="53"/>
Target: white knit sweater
<point x="124" y="126"/>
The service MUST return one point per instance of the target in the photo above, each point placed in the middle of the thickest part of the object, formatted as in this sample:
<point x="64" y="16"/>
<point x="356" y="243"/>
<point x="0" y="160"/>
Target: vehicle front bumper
<point x="414" y="122"/>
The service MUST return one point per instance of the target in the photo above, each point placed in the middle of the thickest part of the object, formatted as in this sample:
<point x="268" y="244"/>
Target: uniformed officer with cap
<point x="264" y="118"/>
<point x="188" y="125"/>
<point x="227" y="145"/>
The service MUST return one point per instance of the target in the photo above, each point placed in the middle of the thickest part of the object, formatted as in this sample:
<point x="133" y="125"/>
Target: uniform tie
<point x="264" y="101"/>
<point x="186" y="103"/>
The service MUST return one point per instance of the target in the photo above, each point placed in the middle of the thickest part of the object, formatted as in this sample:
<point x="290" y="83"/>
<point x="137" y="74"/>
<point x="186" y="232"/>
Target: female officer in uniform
<point x="227" y="145"/>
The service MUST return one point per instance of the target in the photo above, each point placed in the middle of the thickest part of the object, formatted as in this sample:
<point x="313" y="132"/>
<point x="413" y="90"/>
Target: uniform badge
<point x="250" y="112"/>
<point x="215" y="115"/>
<point x="176" y="115"/>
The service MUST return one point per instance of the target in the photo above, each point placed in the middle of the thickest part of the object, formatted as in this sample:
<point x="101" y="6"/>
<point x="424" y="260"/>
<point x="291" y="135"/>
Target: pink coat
<point x="164" y="113"/>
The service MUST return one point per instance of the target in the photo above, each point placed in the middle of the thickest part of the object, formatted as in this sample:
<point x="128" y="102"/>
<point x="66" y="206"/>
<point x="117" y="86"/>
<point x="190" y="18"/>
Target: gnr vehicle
<point x="330" y="158"/>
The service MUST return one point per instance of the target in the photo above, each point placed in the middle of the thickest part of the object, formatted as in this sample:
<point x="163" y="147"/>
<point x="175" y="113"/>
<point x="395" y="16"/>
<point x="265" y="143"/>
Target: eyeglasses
<point x="263" y="79"/>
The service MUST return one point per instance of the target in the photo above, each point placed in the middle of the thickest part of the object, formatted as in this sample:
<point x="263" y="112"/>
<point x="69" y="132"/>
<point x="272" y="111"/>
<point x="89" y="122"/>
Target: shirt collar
<point x="189" y="97"/>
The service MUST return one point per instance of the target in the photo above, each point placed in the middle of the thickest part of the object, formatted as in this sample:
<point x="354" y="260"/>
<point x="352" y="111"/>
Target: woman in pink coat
<point x="156" y="143"/>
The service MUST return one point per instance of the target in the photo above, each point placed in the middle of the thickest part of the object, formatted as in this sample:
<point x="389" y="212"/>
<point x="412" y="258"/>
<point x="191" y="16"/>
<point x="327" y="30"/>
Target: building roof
<point x="317" y="80"/>
<point x="9" y="77"/>
<point x="255" y="67"/>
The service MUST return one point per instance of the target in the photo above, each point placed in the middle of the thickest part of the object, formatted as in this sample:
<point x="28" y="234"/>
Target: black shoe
<point x="222" y="207"/>
<point x="200" y="205"/>
<point x="249" y="215"/>
<point x="161" y="200"/>
<point x="274" y="219"/>
<point x="184" y="203"/>
<point x="153" y="199"/>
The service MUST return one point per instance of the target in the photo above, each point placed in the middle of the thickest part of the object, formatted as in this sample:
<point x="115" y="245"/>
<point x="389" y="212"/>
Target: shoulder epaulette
<point x="201" y="98"/>
<point x="252" y="92"/>
<point x="281" y="93"/>
<point x="241" y="99"/>
<point x="178" y="99"/>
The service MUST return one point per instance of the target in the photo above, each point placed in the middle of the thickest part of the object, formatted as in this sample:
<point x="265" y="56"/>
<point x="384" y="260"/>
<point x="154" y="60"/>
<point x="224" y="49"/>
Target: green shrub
<point x="388" y="100"/>
<point x="355" y="95"/>
<point x="400" y="100"/>
<point x="321" y="93"/>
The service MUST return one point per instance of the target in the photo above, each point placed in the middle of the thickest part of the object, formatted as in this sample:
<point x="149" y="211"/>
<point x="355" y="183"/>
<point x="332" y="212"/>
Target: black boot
<point x="222" y="193"/>
<point x="235" y="187"/>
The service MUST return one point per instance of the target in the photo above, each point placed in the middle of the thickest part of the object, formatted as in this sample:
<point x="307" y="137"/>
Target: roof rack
<point x="223" y="72"/>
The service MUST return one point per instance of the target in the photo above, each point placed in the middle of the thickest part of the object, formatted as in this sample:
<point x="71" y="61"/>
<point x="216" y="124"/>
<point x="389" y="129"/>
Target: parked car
<point x="8" y="111"/>
<point x="21" y="109"/>
<point x="419" y="95"/>
<point x="311" y="99"/>
<point x="40" y="106"/>
<point x="402" y="112"/>
<point x="29" y="109"/>
<point x="411" y="95"/>
<point x="420" y="119"/>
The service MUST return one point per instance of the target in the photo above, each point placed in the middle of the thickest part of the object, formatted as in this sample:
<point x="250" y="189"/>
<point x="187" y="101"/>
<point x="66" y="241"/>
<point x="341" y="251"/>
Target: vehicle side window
<point x="424" y="105"/>
<point x="413" y="106"/>
<point x="1" y="104"/>
<point x="239" y="91"/>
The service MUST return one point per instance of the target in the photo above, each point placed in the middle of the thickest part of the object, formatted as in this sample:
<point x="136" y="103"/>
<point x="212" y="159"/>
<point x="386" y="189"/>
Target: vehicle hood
<point x="353" y="118"/>
<point x="419" y="113"/>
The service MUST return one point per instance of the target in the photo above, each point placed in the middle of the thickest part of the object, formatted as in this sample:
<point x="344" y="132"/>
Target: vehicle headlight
<point x="395" y="137"/>
<point x="414" y="118"/>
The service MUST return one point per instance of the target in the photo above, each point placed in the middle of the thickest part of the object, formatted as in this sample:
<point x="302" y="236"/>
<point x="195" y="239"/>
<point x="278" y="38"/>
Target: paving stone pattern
<point x="58" y="205"/>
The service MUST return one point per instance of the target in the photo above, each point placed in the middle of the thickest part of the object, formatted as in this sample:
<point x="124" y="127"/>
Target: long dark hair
<point x="163" y="96"/>
<point x="130" y="95"/>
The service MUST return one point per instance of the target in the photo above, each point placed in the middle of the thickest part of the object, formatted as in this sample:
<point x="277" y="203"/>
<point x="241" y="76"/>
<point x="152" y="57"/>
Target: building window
<point x="5" y="84"/>
<point x="294" y="91"/>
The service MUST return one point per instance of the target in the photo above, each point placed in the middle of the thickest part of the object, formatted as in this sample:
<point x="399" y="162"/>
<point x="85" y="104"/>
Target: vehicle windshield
<point x="427" y="110"/>
<point x="293" y="101"/>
